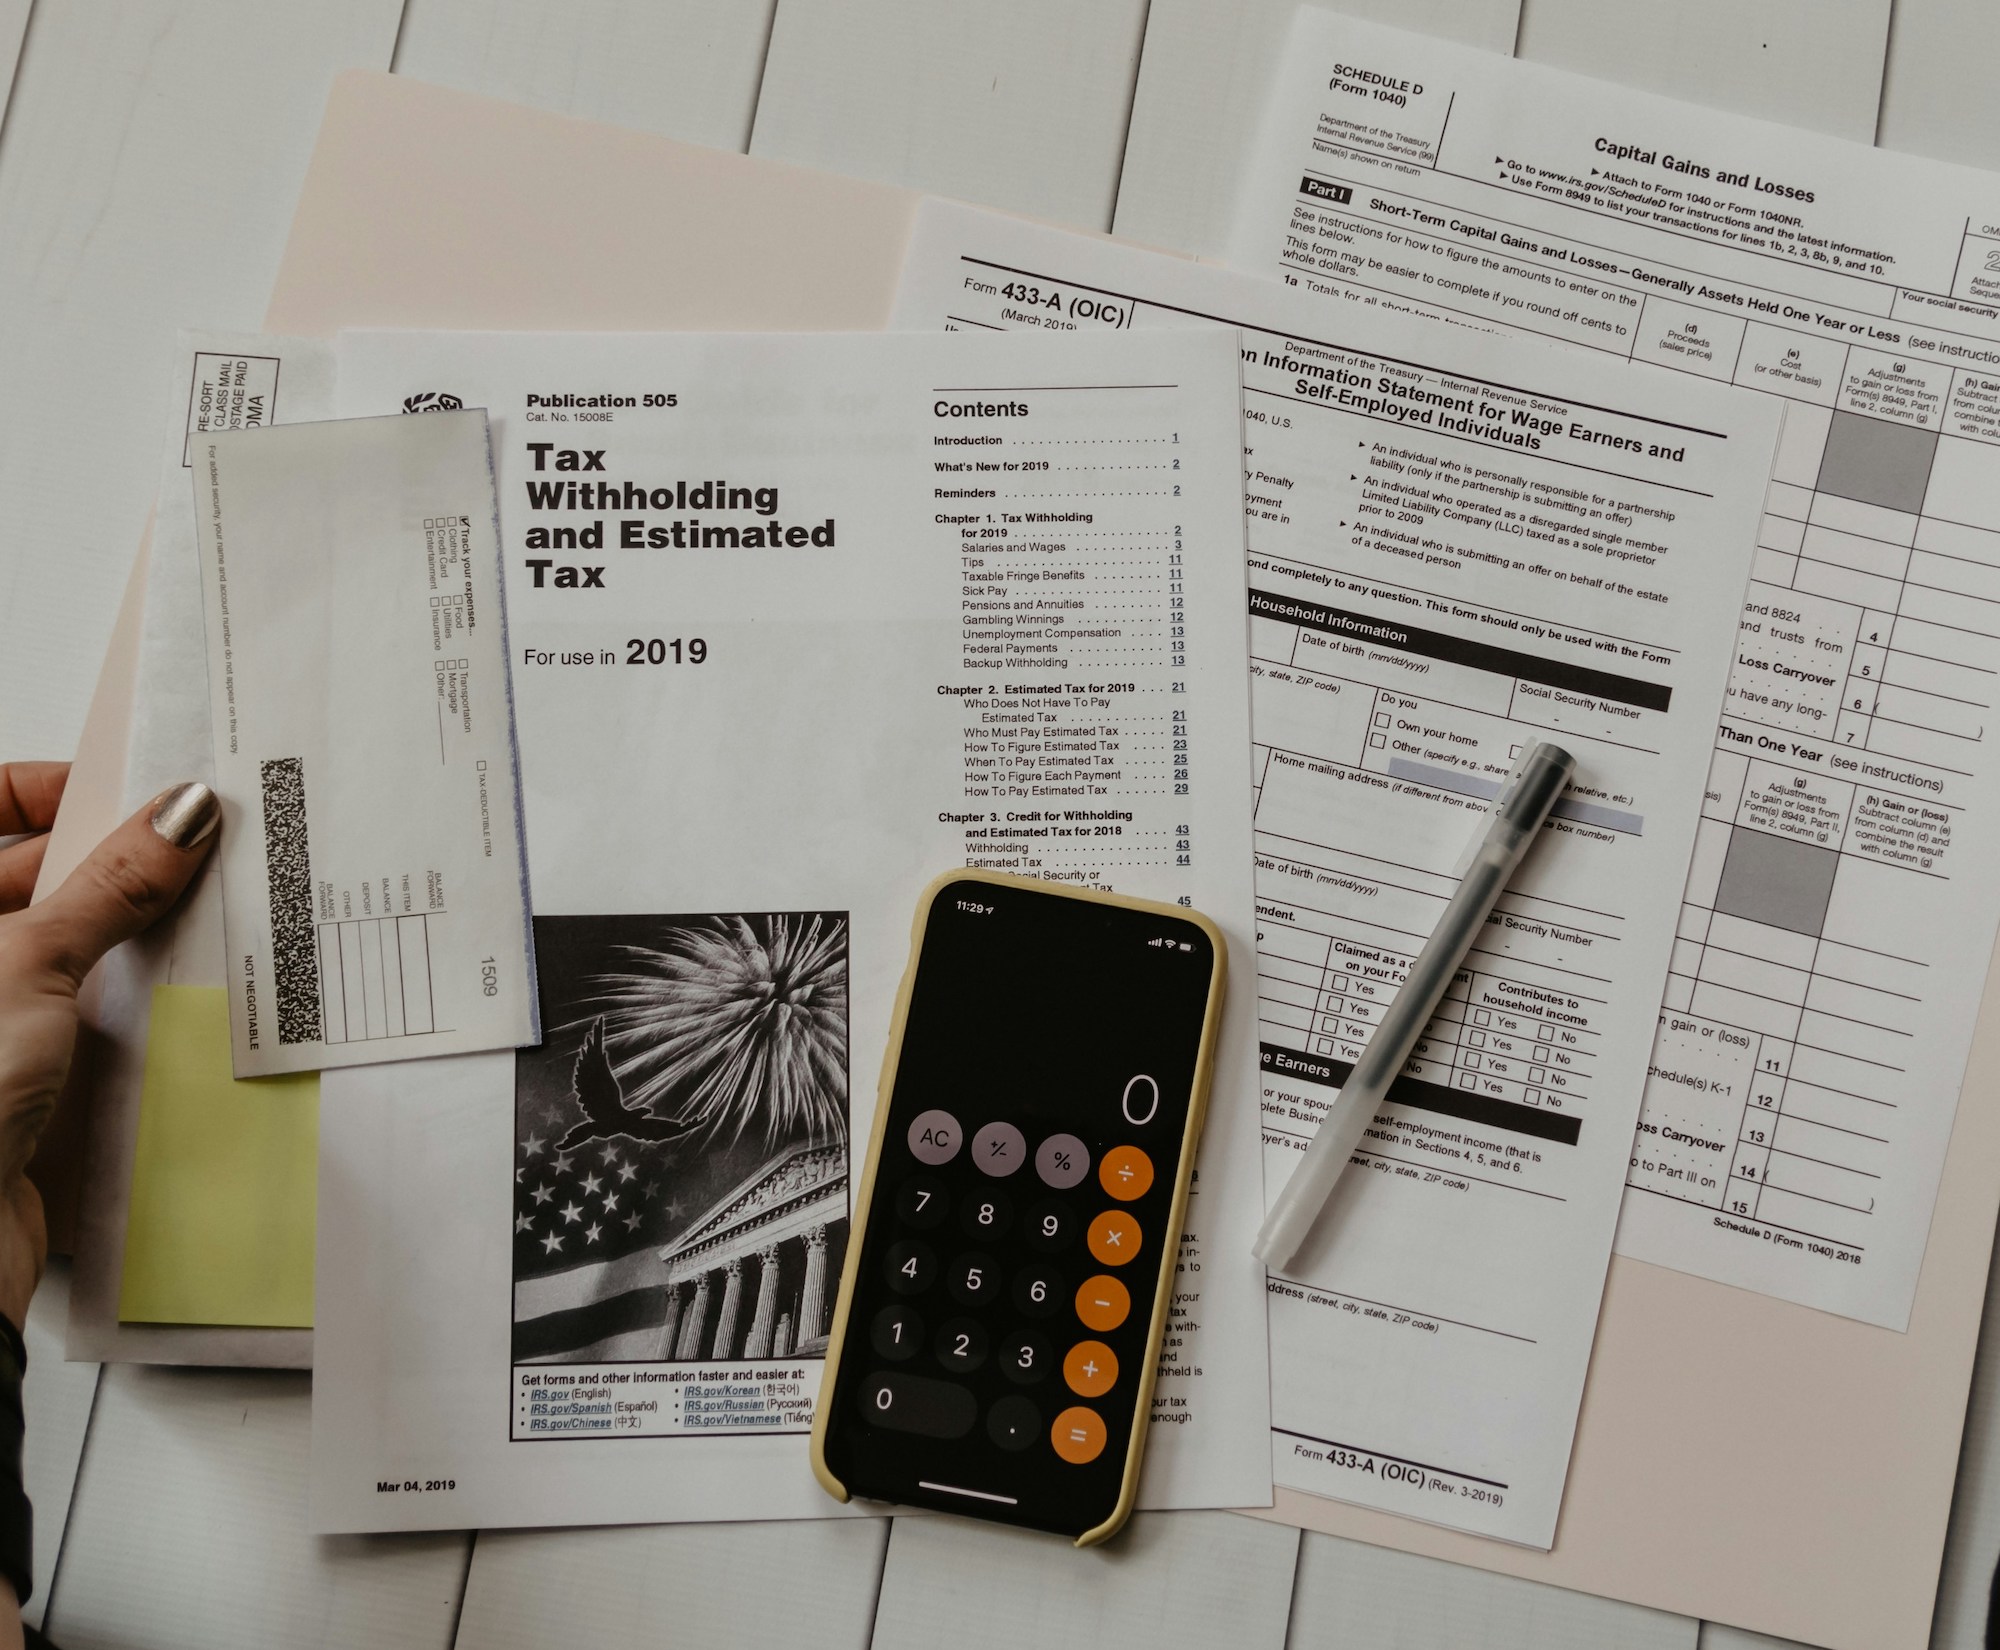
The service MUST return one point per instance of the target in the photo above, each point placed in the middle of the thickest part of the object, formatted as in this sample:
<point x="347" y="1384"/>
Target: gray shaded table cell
<point x="1776" y="881"/>
<point x="1873" y="461"/>
<point x="1474" y="784"/>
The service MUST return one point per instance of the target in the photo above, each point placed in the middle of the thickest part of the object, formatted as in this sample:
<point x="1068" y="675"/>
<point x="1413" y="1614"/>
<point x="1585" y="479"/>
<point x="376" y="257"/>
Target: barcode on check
<point x="294" y="946"/>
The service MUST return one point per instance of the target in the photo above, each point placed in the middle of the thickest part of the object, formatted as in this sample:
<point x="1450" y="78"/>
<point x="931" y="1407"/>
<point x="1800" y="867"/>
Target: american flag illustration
<point x="691" y="1063"/>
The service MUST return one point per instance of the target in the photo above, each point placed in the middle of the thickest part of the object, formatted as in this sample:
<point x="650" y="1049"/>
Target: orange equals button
<point x="1078" y="1435"/>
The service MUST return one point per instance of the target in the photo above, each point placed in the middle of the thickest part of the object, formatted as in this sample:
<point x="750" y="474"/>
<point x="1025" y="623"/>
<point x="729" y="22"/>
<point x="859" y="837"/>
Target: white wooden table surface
<point x="150" y="154"/>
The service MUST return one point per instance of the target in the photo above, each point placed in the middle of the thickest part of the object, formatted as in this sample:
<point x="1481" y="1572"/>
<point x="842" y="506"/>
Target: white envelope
<point x="374" y="875"/>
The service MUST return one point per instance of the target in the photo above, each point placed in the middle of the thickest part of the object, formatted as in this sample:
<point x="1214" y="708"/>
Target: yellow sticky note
<point x="224" y="1181"/>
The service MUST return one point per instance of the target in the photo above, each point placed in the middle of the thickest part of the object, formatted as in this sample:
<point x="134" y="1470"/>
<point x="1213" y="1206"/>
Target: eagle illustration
<point x="594" y="1086"/>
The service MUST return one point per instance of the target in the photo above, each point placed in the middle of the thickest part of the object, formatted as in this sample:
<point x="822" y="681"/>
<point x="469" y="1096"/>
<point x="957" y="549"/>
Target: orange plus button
<point x="1102" y="1303"/>
<point x="1091" y="1368"/>
<point x="1126" y="1173"/>
<point x="1078" y="1435"/>
<point x="1113" y="1237"/>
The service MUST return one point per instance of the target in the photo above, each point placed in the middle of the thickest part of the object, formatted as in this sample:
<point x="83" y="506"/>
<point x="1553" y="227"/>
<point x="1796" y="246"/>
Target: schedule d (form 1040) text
<point x="1839" y="911"/>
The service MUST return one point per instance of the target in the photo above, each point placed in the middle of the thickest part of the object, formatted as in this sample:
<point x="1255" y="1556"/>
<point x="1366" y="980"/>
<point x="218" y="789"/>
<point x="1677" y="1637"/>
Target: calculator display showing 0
<point x="1000" y="1314"/>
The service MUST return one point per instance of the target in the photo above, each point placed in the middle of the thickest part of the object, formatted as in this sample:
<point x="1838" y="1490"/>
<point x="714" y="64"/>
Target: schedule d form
<point x="1458" y="543"/>
<point x="798" y="623"/>
<point x="1841" y="905"/>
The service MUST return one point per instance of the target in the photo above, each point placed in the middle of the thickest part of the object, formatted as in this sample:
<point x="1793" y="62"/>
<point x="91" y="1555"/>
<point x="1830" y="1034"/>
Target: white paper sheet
<point x="1456" y="543"/>
<point x="745" y="760"/>
<point x="375" y="901"/>
<point x="1838" y="915"/>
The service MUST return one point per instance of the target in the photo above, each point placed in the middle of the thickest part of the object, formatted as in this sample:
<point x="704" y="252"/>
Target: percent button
<point x="1062" y="1161"/>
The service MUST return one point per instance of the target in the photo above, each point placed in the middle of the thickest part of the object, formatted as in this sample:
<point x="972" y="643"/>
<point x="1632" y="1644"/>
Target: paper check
<point x="374" y="885"/>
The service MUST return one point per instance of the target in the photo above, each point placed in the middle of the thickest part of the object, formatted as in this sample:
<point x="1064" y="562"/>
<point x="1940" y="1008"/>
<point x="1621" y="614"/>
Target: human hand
<point x="129" y="882"/>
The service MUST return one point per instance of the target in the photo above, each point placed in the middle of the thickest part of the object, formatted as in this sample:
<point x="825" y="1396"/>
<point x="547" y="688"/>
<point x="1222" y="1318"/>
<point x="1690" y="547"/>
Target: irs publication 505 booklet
<point x="799" y="622"/>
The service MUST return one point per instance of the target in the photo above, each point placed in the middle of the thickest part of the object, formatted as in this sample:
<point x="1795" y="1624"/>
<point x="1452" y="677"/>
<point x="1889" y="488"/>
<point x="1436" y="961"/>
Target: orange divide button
<point x="1113" y="1237"/>
<point x="1126" y="1173"/>
<point x="1102" y="1303"/>
<point x="1078" y="1435"/>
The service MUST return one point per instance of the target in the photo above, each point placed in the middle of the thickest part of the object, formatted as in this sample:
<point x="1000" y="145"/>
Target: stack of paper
<point x="1455" y="541"/>
<point x="783" y="610"/>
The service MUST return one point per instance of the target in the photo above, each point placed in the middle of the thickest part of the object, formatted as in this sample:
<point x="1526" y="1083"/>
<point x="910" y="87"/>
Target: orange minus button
<point x="1102" y="1302"/>
<point x="1113" y="1237"/>
<point x="1078" y="1435"/>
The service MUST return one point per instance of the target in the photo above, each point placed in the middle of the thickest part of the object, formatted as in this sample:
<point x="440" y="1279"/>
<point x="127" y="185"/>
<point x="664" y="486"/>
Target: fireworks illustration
<point x="733" y="1027"/>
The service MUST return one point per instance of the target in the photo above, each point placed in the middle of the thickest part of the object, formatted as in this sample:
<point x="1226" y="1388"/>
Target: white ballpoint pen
<point x="1516" y="819"/>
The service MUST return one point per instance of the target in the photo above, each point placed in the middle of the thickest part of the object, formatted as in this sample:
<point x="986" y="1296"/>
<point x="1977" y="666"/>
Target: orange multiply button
<point x="1078" y="1435"/>
<point x="1113" y="1237"/>
<point x="1126" y="1173"/>
<point x="1102" y="1303"/>
<point x="1091" y="1368"/>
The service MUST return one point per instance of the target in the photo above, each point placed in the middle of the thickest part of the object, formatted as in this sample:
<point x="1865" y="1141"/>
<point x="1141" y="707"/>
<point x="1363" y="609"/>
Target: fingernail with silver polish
<point x="186" y="814"/>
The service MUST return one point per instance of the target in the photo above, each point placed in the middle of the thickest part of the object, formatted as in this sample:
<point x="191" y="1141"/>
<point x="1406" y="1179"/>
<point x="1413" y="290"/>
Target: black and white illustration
<point x="680" y="1161"/>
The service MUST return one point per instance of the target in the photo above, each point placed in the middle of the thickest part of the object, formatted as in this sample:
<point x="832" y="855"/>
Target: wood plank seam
<point x="763" y="68"/>
<point x="14" y="79"/>
<point x="471" y="1547"/>
<point x="396" y="46"/>
<point x="62" y="1544"/>
<point x="1131" y="103"/>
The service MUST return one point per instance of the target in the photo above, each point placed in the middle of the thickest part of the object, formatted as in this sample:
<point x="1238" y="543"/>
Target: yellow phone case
<point x="1162" y="1294"/>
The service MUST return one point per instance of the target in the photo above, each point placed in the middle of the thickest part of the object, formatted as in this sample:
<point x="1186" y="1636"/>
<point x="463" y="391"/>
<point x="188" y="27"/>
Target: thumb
<point x="129" y="881"/>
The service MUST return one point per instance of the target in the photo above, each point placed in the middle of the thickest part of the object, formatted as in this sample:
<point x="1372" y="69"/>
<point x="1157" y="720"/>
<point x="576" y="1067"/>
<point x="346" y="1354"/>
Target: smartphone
<point x="1019" y="1218"/>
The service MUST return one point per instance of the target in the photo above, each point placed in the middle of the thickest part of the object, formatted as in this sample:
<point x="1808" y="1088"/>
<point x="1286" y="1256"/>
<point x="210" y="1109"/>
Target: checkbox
<point x="1339" y="982"/>
<point x="434" y="601"/>
<point x="1541" y="1054"/>
<point x="1513" y="750"/>
<point x="1465" y="1079"/>
<point x="1546" y="1033"/>
<point x="1534" y="1097"/>
<point x="1326" y="1045"/>
<point x="1381" y="718"/>
<point x="1472" y="1062"/>
<point x="1476" y="1038"/>
<point x="1376" y="741"/>
<point x="1482" y="1016"/>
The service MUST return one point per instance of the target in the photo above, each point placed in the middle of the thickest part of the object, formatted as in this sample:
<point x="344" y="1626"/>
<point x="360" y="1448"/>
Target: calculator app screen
<point x="1012" y="1252"/>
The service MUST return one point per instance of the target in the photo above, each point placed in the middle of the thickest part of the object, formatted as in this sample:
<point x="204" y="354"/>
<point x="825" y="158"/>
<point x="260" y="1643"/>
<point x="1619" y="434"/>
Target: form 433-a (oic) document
<point x="1457" y="544"/>
<point x="799" y="622"/>
<point x="1840" y="908"/>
